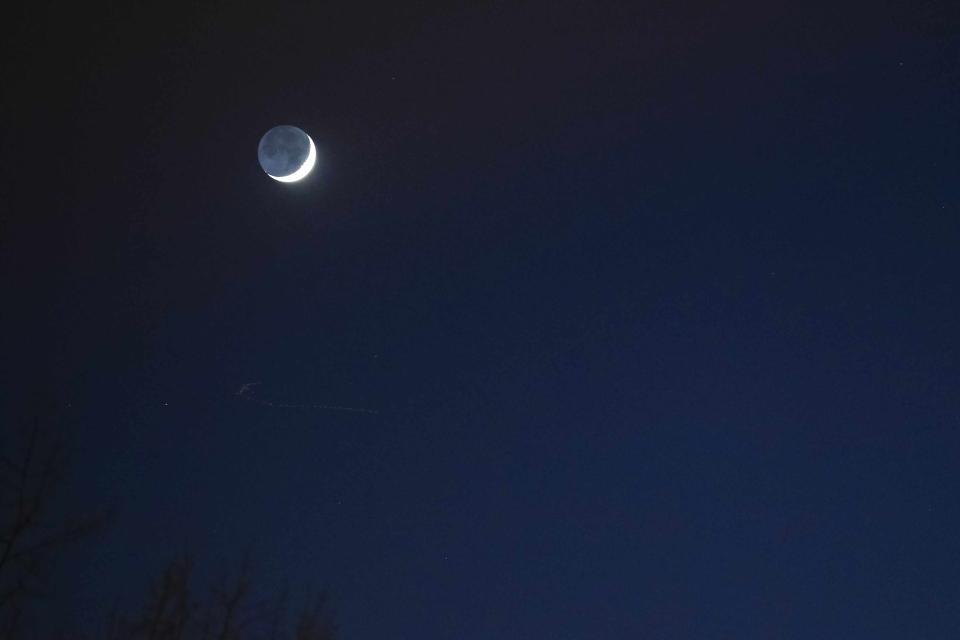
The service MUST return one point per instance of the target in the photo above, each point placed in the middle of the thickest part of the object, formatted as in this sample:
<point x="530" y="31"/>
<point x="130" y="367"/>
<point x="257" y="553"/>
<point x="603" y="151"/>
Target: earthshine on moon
<point x="286" y="153"/>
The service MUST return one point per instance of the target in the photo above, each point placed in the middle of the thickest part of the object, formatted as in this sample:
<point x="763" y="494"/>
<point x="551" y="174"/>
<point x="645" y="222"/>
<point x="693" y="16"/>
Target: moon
<point x="286" y="153"/>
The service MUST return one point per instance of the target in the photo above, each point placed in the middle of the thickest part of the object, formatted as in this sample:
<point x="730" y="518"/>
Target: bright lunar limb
<point x="304" y="169"/>
<point x="286" y="153"/>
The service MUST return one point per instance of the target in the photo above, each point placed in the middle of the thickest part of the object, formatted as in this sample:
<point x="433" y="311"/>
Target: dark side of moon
<point x="283" y="150"/>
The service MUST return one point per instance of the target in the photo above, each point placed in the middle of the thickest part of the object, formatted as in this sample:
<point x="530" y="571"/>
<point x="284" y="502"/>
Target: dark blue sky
<point x="658" y="305"/>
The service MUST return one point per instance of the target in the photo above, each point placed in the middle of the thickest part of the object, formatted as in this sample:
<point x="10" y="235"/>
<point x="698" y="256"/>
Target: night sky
<point x="656" y="304"/>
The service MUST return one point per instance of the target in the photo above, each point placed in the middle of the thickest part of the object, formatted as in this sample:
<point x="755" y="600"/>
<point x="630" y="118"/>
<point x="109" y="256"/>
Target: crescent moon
<point x="304" y="169"/>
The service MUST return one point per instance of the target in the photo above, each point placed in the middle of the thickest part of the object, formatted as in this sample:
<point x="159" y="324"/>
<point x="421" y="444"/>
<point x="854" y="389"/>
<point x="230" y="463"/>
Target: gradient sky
<point x="657" y="303"/>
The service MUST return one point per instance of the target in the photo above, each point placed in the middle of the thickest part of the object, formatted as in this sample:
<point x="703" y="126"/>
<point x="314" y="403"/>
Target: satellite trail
<point x="246" y="393"/>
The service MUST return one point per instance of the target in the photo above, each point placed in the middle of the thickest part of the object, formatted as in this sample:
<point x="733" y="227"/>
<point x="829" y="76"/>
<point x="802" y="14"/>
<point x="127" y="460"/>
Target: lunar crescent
<point x="304" y="169"/>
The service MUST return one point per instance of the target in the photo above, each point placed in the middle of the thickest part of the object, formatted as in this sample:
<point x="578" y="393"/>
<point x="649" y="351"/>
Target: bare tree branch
<point x="31" y="533"/>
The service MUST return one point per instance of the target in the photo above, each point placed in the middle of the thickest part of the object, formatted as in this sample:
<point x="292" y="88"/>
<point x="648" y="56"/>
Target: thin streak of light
<point x="244" y="393"/>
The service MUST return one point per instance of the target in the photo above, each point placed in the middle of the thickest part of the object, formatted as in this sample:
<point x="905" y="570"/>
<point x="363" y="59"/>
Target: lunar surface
<point x="286" y="153"/>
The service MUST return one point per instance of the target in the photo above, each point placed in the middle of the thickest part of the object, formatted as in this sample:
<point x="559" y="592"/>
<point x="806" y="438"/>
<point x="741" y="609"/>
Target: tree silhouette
<point x="32" y="531"/>
<point x="232" y="610"/>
